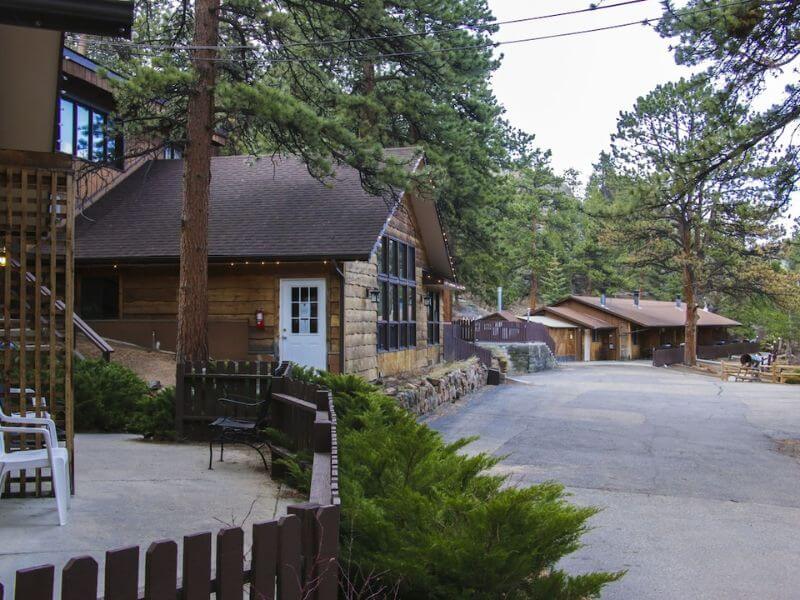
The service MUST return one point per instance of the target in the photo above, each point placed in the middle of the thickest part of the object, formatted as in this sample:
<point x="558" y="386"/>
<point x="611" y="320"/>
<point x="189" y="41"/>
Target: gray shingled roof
<point x="261" y="209"/>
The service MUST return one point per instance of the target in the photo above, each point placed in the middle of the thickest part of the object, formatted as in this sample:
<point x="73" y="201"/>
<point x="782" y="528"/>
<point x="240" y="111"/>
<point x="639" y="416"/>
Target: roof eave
<point x="96" y="17"/>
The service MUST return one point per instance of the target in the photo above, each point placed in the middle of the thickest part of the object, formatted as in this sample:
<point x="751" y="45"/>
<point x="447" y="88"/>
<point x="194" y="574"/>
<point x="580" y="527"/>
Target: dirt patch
<point x="150" y="365"/>
<point x="789" y="447"/>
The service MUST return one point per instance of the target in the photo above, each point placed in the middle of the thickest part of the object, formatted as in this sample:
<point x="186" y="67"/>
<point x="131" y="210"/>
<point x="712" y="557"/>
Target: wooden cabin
<point x="628" y="328"/>
<point x="320" y="273"/>
<point x="567" y="336"/>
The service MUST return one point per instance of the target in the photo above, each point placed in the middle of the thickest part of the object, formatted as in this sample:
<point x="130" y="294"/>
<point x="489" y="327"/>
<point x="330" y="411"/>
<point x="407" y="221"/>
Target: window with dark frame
<point x="83" y="132"/>
<point x="635" y="338"/>
<point x="434" y="317"/>
<point x="397" y="306"/>
<point x="99" y="297"/>
<point x="596" y="337"/>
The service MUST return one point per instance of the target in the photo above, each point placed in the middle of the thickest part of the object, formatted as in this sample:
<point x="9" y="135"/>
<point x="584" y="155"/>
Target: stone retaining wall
<point x="421" y="396"/>
<point x="523" y="358"/>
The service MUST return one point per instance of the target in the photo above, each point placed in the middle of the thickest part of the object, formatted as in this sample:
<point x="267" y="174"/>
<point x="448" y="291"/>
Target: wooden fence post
<point x="326" y="544"/>
<point x="264" y="561"/>
<point x="196" y="566"/>
<point x="35" y="583"/>
<point x="230" y="564"/>
<point x="79" y="579"/>
<point x="122" y="574"/>
<point x="161" y="570"/>
<point x="289" y="569"/>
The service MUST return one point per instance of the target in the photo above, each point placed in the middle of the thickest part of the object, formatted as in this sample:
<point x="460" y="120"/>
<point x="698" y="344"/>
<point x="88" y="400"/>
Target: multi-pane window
<point x="84" y="132"/>
<point x="305" y="309"/>
<point x="99" y="297"/>
<point x="434" y="317"/>
<point x="397" y="307"/>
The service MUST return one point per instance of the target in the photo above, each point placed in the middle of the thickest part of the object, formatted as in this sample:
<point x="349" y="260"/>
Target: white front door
<point x="302" y="323"/>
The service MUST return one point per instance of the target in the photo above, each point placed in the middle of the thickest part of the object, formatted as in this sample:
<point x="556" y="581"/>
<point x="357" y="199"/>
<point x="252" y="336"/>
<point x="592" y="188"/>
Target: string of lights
<point x="493" y="44"/>
<point x="100" y="41"/>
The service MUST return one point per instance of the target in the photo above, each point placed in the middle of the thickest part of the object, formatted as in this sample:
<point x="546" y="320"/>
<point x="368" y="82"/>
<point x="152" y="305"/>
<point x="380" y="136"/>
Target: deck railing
<point x="457" y="348"/>
<point x="506" y="332"/>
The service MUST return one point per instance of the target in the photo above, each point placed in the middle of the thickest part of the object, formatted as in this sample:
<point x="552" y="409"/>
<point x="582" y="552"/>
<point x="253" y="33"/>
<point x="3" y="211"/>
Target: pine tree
<point x="715" y="228"/>
<point x="553" y="283"/>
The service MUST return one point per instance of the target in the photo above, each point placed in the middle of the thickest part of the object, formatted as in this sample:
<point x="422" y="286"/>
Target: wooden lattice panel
<point x="36" y="232"/>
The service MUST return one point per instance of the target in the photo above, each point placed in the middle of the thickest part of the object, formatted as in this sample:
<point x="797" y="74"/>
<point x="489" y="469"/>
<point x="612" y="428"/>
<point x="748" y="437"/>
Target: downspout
<point x="340" y="271"/>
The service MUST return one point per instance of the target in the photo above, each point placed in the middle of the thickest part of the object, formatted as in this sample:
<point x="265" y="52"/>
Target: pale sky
<point x="570" y="91"/>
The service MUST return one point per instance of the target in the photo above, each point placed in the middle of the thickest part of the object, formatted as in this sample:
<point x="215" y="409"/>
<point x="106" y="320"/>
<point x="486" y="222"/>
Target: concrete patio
<point x="129" y="493"/>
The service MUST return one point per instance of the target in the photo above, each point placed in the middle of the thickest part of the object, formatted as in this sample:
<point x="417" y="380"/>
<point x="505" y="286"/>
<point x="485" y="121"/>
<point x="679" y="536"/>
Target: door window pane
<point x="412" y="267"/>
<point x="65" y="123"/>
<point x="82" y="143"/>
<point x="305" y="309"/>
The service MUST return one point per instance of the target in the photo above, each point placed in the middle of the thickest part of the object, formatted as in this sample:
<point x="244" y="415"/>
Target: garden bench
<point x="248" y="431"/>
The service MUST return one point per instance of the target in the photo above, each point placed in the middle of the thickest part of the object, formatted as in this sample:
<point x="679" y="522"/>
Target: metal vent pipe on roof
<point x="678" y="301"/>
<point x="603" y="299"/>
<point x="636" y="299"/>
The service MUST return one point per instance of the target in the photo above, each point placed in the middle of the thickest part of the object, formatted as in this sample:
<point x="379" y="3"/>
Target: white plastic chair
<point x="50" y="457"/>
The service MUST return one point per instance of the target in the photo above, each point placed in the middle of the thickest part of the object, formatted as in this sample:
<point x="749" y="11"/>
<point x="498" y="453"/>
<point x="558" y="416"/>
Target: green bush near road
<point x="421" y="516"/>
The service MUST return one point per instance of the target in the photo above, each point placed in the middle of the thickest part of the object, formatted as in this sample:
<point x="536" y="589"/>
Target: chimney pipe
<point x="499" y="299"/>
<point x="678" y="301"/>
<point x="636" y="299"/>
<point x="603" y="299"/>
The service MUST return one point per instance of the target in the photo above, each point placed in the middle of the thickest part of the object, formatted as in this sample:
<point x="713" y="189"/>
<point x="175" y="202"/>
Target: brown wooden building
<point x="624" y="328"/>
<point x="321" y="273"/>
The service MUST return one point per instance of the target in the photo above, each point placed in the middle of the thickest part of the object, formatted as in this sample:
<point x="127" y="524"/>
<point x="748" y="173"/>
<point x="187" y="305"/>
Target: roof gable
<point x="264" y="208"/>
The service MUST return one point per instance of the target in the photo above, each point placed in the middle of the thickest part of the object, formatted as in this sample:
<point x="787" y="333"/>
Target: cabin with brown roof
<point x="606" y="328"/>
<point x="321" y="273"/>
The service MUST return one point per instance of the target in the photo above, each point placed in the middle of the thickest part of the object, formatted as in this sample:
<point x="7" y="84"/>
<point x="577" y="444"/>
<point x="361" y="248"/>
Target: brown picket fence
<point x="292" y="558"/>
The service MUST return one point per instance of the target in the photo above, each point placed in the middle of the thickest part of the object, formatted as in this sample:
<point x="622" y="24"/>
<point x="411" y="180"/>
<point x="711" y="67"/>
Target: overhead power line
<point x="463" y="27"/>
<point x="492" y="44"/>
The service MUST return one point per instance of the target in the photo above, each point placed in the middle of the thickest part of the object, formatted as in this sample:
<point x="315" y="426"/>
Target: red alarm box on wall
<point x="260" y="319"/>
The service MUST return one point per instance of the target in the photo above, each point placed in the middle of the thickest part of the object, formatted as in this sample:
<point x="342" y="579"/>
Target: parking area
<point x="698" y="500"/>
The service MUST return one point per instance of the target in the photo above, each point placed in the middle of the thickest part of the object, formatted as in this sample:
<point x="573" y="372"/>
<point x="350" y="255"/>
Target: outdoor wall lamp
<point x="427" y="300"/>
<point x="374" y="294"/>
<point x="3" y="257"/>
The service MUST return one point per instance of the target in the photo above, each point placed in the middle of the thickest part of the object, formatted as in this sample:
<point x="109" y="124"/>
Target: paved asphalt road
<point x="697" y="501"/>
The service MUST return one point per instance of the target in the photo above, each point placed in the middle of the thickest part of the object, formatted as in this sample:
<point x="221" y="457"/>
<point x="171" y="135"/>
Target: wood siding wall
<point x="568" y="341"/>
<point x="234" y="293"/>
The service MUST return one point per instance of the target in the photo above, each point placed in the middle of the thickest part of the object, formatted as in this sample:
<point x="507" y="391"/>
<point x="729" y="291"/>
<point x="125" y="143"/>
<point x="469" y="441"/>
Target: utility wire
<point x="389" y="55"/>
<point x="464" y="27"/>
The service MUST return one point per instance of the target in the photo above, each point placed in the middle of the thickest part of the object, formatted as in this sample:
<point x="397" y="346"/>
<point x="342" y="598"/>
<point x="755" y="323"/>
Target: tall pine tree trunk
<point x="690" y="327"/>
<point x="534" y="277"/>
<point x="193" y="288"/>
